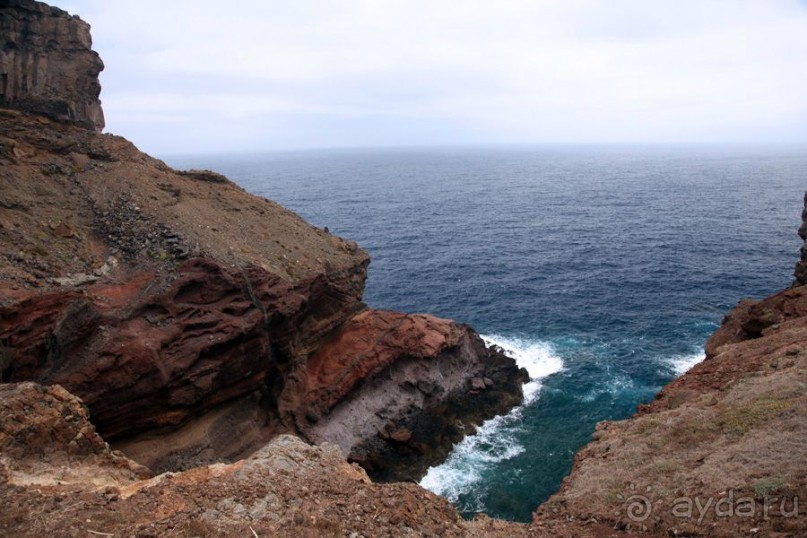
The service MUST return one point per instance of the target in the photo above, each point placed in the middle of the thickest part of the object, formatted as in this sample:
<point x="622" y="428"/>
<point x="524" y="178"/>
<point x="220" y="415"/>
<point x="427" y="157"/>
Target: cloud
<point x="328" y="73"/>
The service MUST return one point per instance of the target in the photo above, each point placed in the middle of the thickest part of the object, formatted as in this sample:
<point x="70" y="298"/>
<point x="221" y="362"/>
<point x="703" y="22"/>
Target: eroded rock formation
<point x="189" y="315"/>
<point x="57" y="477"/>
<point x="46" y="438"/>
<point x="801" y="267"/>
<point x="47" y="65"/>
<point x="397" y="391"/>
<point x="167" y="302"/>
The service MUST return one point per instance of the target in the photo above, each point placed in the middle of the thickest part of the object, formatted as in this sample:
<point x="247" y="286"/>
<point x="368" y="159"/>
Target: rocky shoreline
<point x="172" y="348"/>
<point x="182" y="309"/>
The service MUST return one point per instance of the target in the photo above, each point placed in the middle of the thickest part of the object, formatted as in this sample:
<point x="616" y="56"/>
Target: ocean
<point x="603" y="269"/>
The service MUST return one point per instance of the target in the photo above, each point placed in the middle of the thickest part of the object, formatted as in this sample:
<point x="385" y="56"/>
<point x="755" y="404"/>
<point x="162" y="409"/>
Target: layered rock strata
<point x="47" y="64"/>
<point x="188" y="314"/>
<point x="395" y="391"/>
<point x="160" y="297"/>
<point x="56" y="475"/>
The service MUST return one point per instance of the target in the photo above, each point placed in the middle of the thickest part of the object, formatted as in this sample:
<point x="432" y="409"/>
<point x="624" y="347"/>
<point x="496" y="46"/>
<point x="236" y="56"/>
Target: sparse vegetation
<point x="740" y="420"/>
<point x="769" y="485"/>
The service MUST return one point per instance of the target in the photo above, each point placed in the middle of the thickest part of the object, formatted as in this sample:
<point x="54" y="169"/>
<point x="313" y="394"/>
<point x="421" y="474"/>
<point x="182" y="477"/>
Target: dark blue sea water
<point x="603" y="269"/>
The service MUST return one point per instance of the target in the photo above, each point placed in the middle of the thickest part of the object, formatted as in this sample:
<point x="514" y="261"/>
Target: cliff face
<point x="58" y="477"/>
<point x="197" y="322"/>
<point x="721" y="450"/>
<point x="801" y="267"/>
<point x="47" y="65"/>
<point x="189" y="315"/>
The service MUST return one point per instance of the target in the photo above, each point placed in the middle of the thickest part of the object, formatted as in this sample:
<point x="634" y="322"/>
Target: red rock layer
<point x="152" y="351"/>
<point x="188" y="314"/>
<point x="396" y="391"/>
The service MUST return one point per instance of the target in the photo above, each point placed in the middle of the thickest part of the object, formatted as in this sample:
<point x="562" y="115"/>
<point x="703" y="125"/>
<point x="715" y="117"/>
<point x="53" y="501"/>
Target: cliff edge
<point x="191" y="325"/>
<point x="721" y="451"/>
<point x="47" y="64"/>
<point x="191" y="317"/>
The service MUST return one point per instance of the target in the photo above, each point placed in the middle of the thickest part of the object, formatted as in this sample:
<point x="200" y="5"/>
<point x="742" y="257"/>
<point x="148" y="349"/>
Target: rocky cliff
<point x="58" y="477"/>
<point x="721" y="451"/>
<point x="191" y="324"/>
<point x="47" y="64"/>
<point x="801" y="267"/>
<point x="197" y="321"/>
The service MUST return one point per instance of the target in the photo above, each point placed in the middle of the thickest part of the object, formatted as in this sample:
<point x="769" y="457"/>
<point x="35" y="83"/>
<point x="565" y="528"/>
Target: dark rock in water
<point x="394" y="390"/>
<point x="47" y="65"/>
<point x="801" y="267"/>
<point x="219" y="318"/>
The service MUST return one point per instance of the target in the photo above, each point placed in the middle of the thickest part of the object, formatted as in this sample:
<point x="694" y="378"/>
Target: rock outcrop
<point x="46" y="438"/>
<point x="199" y="323"/>
<point x="399" y="390"/>
<point x="720" y="451"/>
<point x="58" y="478"/>
<point x="47" y="65"/>
<point x="188" y="314"/>
<point x="169" y="302"/>
<point x="801" y="267"/>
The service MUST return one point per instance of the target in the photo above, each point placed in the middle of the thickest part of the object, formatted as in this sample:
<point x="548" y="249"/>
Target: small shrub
<point x="768" y="485"/>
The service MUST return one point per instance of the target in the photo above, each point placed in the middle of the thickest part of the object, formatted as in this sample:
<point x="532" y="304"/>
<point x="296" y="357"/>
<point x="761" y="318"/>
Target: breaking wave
<point x="495" y="440"/>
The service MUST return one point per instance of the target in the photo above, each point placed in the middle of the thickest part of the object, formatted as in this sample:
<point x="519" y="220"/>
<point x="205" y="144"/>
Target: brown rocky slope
<point x="183" y="310"/>
<point x="722" y="449"/>
<point x="197" y="322"/>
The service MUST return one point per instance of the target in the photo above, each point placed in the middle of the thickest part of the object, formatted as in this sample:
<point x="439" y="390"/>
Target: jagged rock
<point x="286" y="489"/>
<point x="211" y="320"/>
<point x="801" y="267"/>
<point x="153" y="351"/>
<point x="225" y="340"/>
<point x="47" y="65"/>
<point x="46" y="437"/>
<point x="386" y="371"/>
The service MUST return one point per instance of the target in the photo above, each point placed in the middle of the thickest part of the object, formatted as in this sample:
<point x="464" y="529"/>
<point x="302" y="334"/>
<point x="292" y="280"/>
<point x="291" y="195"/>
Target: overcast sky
<point x="203" y="76"/>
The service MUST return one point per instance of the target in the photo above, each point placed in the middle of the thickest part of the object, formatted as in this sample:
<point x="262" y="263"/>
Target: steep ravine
<point x="191" y="325"/>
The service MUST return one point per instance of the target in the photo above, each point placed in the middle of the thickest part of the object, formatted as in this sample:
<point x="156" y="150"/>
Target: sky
<point x="188" y="77"/>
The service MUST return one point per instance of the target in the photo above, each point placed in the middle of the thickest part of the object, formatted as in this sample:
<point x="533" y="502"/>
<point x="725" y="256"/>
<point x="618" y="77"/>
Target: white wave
<point x="496" y="439"/>
<point x="681" y="363"/>
<point x="537" y="357"/>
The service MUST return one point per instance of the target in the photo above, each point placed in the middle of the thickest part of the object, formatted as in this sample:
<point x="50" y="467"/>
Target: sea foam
<point x="496" y="439"/>
<point x="681" y="363"/>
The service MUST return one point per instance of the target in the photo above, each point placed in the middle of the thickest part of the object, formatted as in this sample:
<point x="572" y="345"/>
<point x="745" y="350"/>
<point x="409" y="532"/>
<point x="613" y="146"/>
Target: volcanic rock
<point x="801" y="267"/>
<point x="57" y="477"/>
<point x="186" y="313"/>
<point x="47" y="65"/>
<point x="410" y="371"/>
<point x="46" y="438"/>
